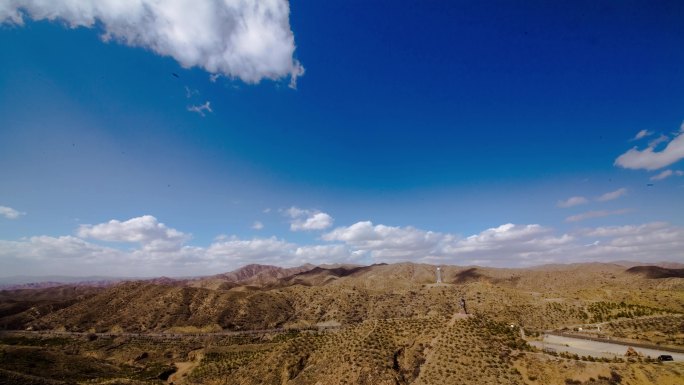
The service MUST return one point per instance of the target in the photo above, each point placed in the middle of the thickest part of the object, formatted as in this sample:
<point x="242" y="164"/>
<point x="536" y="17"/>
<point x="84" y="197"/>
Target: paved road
<point x="585" y="347"/>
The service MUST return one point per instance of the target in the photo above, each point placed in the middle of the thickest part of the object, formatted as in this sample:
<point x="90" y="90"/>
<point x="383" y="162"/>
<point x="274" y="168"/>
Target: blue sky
<point x="438" y="132"/>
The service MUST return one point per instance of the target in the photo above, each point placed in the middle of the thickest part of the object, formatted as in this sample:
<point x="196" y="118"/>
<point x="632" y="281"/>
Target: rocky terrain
<point x="344" y="324"/>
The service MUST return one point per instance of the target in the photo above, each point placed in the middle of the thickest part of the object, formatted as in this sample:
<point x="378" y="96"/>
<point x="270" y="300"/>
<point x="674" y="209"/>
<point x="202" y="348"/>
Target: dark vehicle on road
<point x="665" y="357"/>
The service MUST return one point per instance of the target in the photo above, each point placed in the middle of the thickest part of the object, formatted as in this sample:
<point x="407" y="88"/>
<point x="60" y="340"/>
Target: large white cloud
<point x="249" y="40"/>
<point x="237" y="252"/>
<point x="145" y="230"/>
<point x="508" y="244"/>
<point x="650" y="159"/>
<point x="389" y="241"/>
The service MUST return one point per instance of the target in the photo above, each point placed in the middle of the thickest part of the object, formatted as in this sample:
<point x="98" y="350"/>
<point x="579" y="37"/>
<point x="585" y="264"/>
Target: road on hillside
<point x="584" y="347"/>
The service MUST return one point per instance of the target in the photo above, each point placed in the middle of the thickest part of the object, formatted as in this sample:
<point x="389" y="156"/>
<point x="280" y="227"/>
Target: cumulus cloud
<point x="650" y="242"/>
<point x="612" y="195"/>
<point x="509" y="242"/>
<point x="10" y="213"/>
<point x="642" y="134"/>
<point x="651" y="159"/>
<point x="234" y="251"/>
<point x="389" y="241"/>
<point x="145" y="230"/>
<point x="572" y="201"/>
<point x="594" y="214"/>
<point x="307" y="220"/>
<point x="362" y="242"/>
<point x="249" y="40"/>
<point x="200" y="109"/>
<point x="63" y="248"/>
<point x="318" y="254"/>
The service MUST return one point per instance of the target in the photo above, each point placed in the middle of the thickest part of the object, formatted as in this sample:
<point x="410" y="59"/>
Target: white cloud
<point x="317" y="221"/>
<point x="306" y="220"/>
<point x="237" y="252"/>
<point x="249" y="40"/>
<point x="10" y="213"/>
<point x="594" y="214"/>
<point x="660" y="139"/>
<point x="508" y="243"/>
<point x="389" y="241"/>
<point x="612" y="195"/>
<point x="649" y="158"/>
<point x="318" y="254"/>
<point x="65" y="247"/>
<point x="257" y="225"/>
<point x="362" y="242"/>
<point x="650" y="242"/>
<point x="642" y="134"/>
<point x="662" y="175"/>
<point x="145" y="230"/>
<point x="666" y="174"/>
<point x="200" y="109"/>
<point x="572" y="201"/>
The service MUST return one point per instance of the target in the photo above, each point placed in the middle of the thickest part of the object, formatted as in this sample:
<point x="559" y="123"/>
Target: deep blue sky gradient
<point x="447" y="116"/>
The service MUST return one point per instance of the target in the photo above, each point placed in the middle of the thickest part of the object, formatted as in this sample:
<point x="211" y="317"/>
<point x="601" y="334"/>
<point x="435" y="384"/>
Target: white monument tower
<point x="439" y="274"/>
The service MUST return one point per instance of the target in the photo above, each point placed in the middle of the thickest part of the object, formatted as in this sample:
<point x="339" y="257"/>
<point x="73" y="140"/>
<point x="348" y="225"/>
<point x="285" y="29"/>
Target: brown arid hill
<point x="342" y="324"/>
<point x="541" y="298"/>
<point x="20" y="307"/>
<point x="656" y="272"/>
<point x="249" y="275"/>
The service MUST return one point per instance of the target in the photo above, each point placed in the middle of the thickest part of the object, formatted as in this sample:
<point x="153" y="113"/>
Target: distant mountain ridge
<point x="270" y="275"/>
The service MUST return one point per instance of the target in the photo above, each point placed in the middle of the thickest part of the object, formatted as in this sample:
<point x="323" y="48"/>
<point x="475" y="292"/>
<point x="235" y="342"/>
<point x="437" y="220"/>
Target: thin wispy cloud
<point x="201" y="109"/>
<point x="642" y="134"/>
<point x="572" y="201"/>
<point x="10" y="213"/>
<point x="189" y="92"/>
<point x="257" y="225"/>
<point x="612" y="195"/>
<point x="595" y="214"/>
<point x="249" y="40"/>
<point x="660" y="139"/>
<point x="666" y="174"/>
